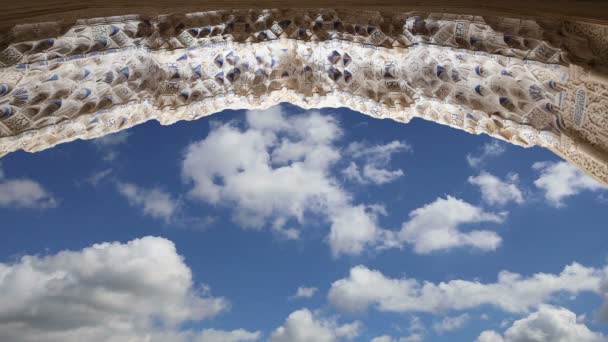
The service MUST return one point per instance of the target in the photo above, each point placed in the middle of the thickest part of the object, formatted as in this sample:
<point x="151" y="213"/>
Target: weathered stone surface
<point x="532" y="83"/>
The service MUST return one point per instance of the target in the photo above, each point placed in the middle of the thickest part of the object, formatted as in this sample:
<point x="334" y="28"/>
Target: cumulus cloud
<point x="491" y="149"/>
<point x="304" y="326"/>
<point x="352" y="229"/>
<point x="451" y="323"/>
<point x="153" y="202"/>
<point x="511" y="292"/>
<point x="24" y="193"/>
<point x="277" y="170"/>
<point x="435" y="226"/>
<point x="305" y="292"/>
<point x="548" y="324"/>
<point x="561" y="179"/>
<point x="281" y="175"/>
<point x="375" y="160"/>
<point x="495" y="191"/>
<point x="135" y="291"/>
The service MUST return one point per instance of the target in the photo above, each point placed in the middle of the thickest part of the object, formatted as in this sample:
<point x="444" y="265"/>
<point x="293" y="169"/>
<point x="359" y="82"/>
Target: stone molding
<point x="526" y="82"/>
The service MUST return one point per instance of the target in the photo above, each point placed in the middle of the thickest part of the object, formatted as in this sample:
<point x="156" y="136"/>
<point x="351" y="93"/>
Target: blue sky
<point x="392" y="232"/>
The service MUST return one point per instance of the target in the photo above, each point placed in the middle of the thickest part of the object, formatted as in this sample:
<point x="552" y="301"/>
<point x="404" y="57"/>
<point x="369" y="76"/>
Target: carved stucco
<point x="532" y="83"/>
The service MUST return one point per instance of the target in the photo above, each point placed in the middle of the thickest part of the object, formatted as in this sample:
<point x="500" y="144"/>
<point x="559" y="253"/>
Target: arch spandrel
<point x="527" y="82"/>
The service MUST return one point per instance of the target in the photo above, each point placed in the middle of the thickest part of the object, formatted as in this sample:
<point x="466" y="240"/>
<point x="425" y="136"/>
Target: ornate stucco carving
<point x="528" y="82"/>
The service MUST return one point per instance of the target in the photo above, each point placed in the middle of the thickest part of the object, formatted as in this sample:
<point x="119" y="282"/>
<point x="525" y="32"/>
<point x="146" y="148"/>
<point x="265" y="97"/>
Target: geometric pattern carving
<point x="530" y="83"/>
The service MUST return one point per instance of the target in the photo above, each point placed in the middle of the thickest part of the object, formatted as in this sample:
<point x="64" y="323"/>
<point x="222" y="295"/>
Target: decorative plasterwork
<point x="522" y="81"/>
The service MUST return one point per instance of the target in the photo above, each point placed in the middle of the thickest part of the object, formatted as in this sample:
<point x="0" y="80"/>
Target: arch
<point x="528" y="82"/>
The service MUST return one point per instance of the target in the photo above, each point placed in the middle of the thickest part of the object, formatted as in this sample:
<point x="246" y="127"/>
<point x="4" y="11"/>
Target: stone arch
<point x="528" y="82"/>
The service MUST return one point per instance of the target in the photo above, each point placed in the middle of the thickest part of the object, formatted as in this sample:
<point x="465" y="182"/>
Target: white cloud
<point x="153" y="202"/>
<point x="240" y="335"/>
<point x="383" y="338"/>
<point x="377" y="154"/>
<point x="489" y="336"/>
<point x="370" y="174"/>
<point x="505" y="322"/>
<point x="435" y="226"/>
<point x="98" y="177"/>
<point x="416" y="332"/>
<point x="511" y="292"/>
<point x="352" y="229"/>
<point x="603" y="312"/>
<point x="451" y="323"/>
<point x="491" y="149"/>
<point x="410" y="338"/>
<point x="137" y="291"/>
<point x="205" y="335"/>
<point x="305" y="292"/>
<point x="353" y="173"/>
<point x="380" y="176"/>
<point x="375" y="159"/>
<point x="495" y="191"/>
<point x="110" y="155"/>
<point x="303" y="326"/>
<point x="108" y="144"/>
<point x="562" y="179"/>
<point x="548" y="324"/>
<point x="24" y="193"/>
<point x="416" y="325"/>
<point x="280" y="173"/>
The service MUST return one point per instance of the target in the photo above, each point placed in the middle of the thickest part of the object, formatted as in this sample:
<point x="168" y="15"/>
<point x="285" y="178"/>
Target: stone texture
<point x="529" y="82"/>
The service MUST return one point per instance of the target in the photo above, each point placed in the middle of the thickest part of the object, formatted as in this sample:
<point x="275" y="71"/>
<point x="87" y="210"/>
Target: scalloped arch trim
<point x="531" y="83"/>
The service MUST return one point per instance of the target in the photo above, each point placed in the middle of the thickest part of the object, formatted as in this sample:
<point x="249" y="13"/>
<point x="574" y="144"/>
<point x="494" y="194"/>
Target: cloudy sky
<point x="300" y="226"/>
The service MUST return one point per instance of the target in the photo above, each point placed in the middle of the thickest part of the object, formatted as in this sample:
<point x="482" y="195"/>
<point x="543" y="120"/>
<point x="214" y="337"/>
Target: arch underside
<point x="531" y="83"/>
